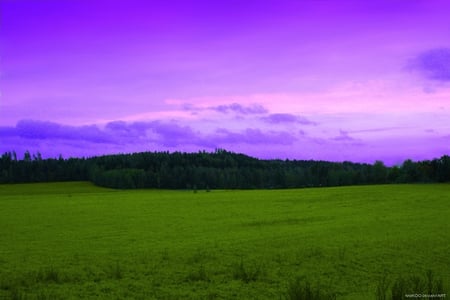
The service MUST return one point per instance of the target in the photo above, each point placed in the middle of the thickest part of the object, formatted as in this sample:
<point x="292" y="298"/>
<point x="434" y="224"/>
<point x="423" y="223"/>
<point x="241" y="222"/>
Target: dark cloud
<point x="117" y="126"/>
<point x="240" y="109"/>
<point x="128" y="131"/>
<point x="433" y="64"/>
<point x="173" y="134"/>
<point x="119" y="136"/>
<point x="7" y="131"/>
<point x="286" y="118"/>
<point x="168" y="134"/>
<point x="31" y="129"/>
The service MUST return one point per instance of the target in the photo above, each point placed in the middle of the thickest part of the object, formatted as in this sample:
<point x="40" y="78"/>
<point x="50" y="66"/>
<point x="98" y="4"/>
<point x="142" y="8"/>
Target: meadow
<point x="78" y="241"/>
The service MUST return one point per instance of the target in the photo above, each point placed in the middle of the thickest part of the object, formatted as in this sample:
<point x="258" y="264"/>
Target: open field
<point x="78" y="241"/>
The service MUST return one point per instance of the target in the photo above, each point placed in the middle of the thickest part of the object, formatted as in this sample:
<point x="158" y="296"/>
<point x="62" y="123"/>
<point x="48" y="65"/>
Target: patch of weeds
<point x="201" y="255"/>
<point x="285" y="221"/>
<point x="165" y="255"/>
<point x="49" y="275"/>
<point x="342" y="251"/>
<point x="115" y="271"/>
<point x="247" y="272"/>
<point x="198" y="256"/>
<point x="279" y="259"/>
<point x="17" y="294"/>
<point x="314" y="252"/>
<point x="92" y="274"/>
<point x="301" y="289"/>
<point x="212" y="295"/>
<point x="198" y="274"/>
<point x="309" y="253"/>
<point x="7" y="283"/>
<point x="17" y="286"/>
<point x="46" y="295"/>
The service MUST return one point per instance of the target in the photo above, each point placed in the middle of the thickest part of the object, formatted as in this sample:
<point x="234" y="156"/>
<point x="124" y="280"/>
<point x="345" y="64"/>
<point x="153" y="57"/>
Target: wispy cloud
<point x="343" y="137"/>
<point x="381" y="129"/>
<point x="225" y="109"/>
<point x="280" y="118"/>
<point x="240" y="109"/>
<point x="252" y="136"/>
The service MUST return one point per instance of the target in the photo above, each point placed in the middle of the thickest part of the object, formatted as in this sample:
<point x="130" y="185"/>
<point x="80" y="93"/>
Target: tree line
<point x="220" y="169"/>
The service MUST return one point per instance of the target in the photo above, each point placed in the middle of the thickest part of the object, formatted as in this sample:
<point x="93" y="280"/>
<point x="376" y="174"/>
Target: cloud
<point x="173" y="134"/>
<point x="123" y="134"/>
<point x="190" y="107"/>
<point x="343" y="137"/>
<point x="240" y="109"/>
<point x="253" y="136"/>
<point x="286" y="118"/>
<point x="233" y="108"/>
<point x="125" y="131"/>
<point x="32" y="129"/>
<point x="168" y="134"/>
<point x="433" y="64"/>
<point x="7" y="131"/>
<point x="117" y="132"/>
<point x="381" y="129"/>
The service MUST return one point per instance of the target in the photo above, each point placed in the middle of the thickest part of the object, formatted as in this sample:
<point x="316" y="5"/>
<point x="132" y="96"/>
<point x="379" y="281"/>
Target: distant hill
<point x="216" y="170"/>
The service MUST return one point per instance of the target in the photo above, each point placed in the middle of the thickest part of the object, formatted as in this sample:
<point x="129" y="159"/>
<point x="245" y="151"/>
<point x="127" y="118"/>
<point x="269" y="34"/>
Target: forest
<point x="220" y="169"/>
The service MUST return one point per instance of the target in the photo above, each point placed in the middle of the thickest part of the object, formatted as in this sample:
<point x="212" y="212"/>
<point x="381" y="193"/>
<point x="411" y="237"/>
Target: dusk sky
<point x="329" y="80"/>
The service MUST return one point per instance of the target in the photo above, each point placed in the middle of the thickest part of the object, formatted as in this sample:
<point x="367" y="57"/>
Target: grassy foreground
<point x="78" y="241"/>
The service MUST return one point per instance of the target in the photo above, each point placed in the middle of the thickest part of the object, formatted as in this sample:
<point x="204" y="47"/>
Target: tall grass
<point x="414" y="284"/>
<point x="301" y="289"/>
<point x="247" y="272"/>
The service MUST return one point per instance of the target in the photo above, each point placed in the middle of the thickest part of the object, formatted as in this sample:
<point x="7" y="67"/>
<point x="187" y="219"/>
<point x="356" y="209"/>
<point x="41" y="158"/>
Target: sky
<point x="326" y="80"/>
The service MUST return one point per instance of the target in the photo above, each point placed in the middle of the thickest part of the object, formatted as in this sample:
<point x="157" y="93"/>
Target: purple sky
<point x="332" y="80"/>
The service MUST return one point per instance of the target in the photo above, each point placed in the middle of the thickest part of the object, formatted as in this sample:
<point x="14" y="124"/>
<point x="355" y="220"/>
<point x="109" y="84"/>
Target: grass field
<point x="78" y="241"/>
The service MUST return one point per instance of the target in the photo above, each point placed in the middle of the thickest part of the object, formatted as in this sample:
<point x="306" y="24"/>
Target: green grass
<point x="78" y="241"/>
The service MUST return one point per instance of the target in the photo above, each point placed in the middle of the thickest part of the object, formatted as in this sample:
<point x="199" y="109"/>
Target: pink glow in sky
<point x="331" y="80"/>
